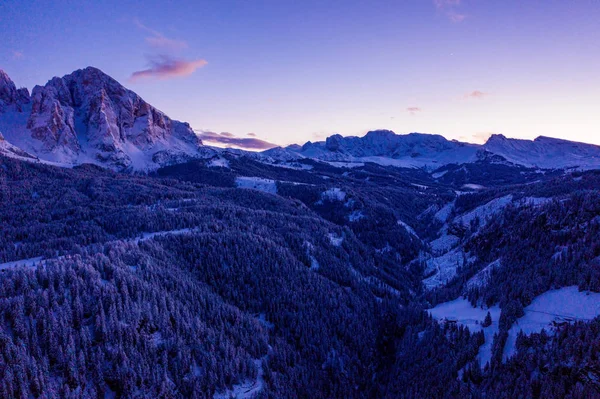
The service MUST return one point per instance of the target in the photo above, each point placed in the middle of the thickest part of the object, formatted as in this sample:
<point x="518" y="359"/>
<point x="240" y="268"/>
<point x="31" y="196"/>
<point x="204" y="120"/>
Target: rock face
<point x="88" y="116"/>
<point x="10" y="95"/>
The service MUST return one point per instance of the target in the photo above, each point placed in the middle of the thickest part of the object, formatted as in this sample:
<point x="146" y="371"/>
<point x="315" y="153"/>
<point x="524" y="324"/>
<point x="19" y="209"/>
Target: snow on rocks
<point x="88" y="117"/>
<point x="552" y="308"/>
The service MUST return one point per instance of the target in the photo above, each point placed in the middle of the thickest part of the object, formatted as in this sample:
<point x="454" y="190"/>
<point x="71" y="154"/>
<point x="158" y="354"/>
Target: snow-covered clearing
<point x="257" y="183"/>
<point x="147" y="236"/>
<point x="346" y="164"/>
<point x="293" y="165"/>
<point x="218" y="162"/>
<point x="566" y="304"/>
<point x="463" y="313"/>
<point x="247" y="389"/>
<point x="333" y="194"/>
<point x="355" y="216"/>
<point x="30" y="262"/>
<point x="335" y="240"/>
<point x="472" y="186"/>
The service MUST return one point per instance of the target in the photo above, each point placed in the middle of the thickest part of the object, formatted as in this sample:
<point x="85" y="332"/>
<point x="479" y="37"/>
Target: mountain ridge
<point x="89" y="117"/>
<point x="432" y="150"/>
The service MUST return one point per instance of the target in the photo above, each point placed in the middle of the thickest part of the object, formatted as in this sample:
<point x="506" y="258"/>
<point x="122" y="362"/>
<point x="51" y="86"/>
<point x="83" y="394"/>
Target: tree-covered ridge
<point x="181" y="285"/>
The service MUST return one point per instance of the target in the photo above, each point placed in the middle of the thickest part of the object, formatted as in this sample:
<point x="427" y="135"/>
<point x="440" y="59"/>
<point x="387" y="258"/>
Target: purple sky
<point x="291" y="71"/>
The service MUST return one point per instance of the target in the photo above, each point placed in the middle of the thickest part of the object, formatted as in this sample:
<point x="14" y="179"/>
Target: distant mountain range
<point x="430" y="151"/>
<point x="88" y="117"/>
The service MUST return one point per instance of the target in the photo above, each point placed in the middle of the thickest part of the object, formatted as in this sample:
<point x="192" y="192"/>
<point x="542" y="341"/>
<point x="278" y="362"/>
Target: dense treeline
<point x="179" y="285"/>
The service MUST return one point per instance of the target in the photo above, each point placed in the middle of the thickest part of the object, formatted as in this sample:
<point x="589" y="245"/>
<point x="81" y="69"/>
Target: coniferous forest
<point x="178" y="284"/>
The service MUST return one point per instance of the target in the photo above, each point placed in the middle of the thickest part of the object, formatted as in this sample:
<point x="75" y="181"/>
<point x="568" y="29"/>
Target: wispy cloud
<point x="166" y="67"/>
<point x="476" y="94"/>
<point x="18" y="55"/>
<point x="158" y="40"/>
<point x="413" y="110"/>
<point x="229" y="139"/>
<point x="164" y="62"/>
<point x="449" y="8"/>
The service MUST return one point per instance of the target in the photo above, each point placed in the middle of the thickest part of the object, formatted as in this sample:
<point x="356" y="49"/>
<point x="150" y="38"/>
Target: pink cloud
<point x="166" y="67"/>
<point x="476" y="94"/>
<point x="17" y="55"/>
<point x="413" y="110"/>
<point x="158" y="40"/>
<point x="231" y="140"/>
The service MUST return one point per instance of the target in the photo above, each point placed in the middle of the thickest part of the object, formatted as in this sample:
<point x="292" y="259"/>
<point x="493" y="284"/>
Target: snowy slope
<point x="257" y="183"/>
<point x="484" y="212"/>
<point x="566" y="304"/>
<point x="11" y="151"/>
<point x="461" y="311"/>
<point x="545" y="152"/>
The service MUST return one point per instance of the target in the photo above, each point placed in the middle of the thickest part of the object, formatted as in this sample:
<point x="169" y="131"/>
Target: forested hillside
<point x="238" y="278"/>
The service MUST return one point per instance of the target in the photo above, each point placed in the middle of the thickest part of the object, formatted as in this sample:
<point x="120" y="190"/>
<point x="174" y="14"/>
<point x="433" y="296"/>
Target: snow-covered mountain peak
<point x="87" y="116"/>
<point x="545" y="152"/>
<point x="9" y="94"/>
<point x="388" y="148"/>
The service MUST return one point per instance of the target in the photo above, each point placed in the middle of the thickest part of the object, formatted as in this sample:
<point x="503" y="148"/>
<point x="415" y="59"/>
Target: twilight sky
<point x="290" y="71"/>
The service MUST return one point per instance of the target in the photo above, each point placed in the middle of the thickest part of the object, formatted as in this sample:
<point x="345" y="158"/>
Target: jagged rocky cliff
<point x="87" y="116"/>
